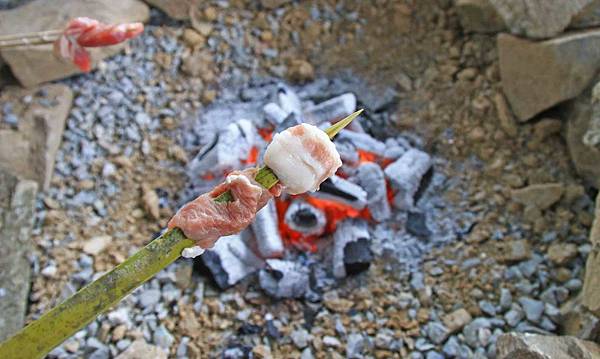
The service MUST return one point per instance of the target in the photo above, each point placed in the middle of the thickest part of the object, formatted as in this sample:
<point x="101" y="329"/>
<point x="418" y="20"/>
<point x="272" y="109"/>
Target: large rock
<point x="585" y="157"/>
<point x="17" y="202"/>
<point x="578" y="322"/>
<point x="479" y="16"/>
<point x="177" y="9"/>
<point x="538" y="75"/>
<point x="535" y="19"/>
<point x="591" y="284"/>
<point x="33" y="65"/>
<point x="534" y="346"/>
<point x="29" y="151"/>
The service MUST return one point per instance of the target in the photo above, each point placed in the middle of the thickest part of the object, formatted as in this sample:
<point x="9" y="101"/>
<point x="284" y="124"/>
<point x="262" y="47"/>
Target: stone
<point x="29" y="151"/>
<point x="139" y="349"/>
<point x="149" y="298"/>
<point x="178" y="10"/>
<point x="595" y="231"/>
<point x="534" y="346"/>
<point x="151" y="201"/>
<point x="533" y="308"/>
<point x="577" y="321"/>
<point x="479" y="16"/>
<point x="355" y="345"/>
<point x="437" y="332"/>
<point x="17" y="203"/>
<point x="538" y="75"/>
<point x="540" y="196"/>
<point x="588" y="16"/>
<point x="591" y="282"/>
<point x="456" y="320"/>
<point x="473" y="329"/>
<point x="562" y="253"/>
<point x="300" y="71"/>
<point x="514" y="251"/>
<point x="193" y="38"/>
<point x="163" y="338"/>
<point x="96" y="245"/>
<point x="505" y="116"/>
<point x="33" y="65"/>
<point x="584" y="157"/>
<point x="301" y="338"/>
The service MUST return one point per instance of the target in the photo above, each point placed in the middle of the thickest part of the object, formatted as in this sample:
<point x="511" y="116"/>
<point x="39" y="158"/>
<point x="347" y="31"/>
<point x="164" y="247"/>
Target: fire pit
<point x="378" y="201"/>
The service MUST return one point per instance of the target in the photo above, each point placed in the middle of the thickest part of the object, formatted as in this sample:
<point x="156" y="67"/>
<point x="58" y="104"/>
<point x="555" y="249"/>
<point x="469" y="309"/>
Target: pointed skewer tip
<point x="338" y="126"/>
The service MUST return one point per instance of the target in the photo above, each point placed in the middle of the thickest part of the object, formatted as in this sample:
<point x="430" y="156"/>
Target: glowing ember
<point x="252" y="156"/>
<point x="266" y="134"/>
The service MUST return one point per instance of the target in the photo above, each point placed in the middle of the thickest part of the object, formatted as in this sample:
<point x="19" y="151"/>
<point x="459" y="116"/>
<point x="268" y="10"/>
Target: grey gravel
<point x="533" y="308"/>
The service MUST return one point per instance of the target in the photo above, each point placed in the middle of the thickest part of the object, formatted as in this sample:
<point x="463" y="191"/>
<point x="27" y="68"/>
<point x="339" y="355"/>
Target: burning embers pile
<point x="297" y="242"/>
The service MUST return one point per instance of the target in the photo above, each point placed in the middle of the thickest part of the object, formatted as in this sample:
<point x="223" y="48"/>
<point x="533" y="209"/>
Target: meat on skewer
<point x="84" y="32"/>
<point x="302" y="157"/>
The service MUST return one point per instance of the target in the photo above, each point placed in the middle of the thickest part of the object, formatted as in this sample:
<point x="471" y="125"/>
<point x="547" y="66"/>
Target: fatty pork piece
<point x="302" y="157"/>
<point x="204" y="220"/>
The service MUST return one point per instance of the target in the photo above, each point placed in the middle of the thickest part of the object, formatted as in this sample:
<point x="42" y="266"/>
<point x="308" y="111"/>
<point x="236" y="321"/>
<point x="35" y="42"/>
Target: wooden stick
<point x="33" y="38"/>
<point x="39" y="337"/>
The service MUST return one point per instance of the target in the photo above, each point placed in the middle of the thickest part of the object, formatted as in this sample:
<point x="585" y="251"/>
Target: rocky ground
<point x="120" y="170"/>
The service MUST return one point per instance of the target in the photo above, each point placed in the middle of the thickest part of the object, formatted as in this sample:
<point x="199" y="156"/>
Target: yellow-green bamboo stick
<point x="41" y="336"/>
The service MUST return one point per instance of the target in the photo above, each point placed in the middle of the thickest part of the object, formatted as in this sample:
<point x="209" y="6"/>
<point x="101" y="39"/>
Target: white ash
<point x="192" y="252"/>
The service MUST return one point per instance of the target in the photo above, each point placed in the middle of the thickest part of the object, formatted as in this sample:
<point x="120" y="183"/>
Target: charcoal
<point x="361" y="141"/>
<point x="304" y="218"/>
<point x="266" y="231"/>
<point x="275" y="114"/>
<point x="370" y="177"/>
<point x="405" y="175"/>
<point x="290" y="120"/>
<point x="333" y="110"/>
<point x="230" y="260"/>
<point x="225" y="152"/>
<point x="351" y="248"/>
<point x="284" y="279"/>
<point x="416" y="224"/>
<point x="289" y="101"/>
<point x="341" y="190"/>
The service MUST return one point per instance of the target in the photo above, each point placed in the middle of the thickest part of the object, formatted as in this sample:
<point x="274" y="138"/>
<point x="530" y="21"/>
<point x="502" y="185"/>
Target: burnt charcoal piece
<point x="231" y="260"/>
<point x="341" y="190"/>
<point x="213" y="262"/>
<point x="249" y="329"/>
<point x="284" y="279"/>
<point x="266" y="232"/>
<point x="357" y="256"/>
<point x="416" y="224"/>
<point x="351" y="248"/>
<point x="306" y="219"/>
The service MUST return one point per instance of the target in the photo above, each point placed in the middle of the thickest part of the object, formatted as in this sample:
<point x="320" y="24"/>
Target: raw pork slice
<point x="205" y="220"/>
<point x="302" y="157"/>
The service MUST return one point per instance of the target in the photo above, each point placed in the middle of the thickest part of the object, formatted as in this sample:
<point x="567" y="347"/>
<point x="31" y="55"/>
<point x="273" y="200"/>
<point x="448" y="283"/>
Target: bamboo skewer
<point x="33" y="38"/>
<point x="41" y="336"/>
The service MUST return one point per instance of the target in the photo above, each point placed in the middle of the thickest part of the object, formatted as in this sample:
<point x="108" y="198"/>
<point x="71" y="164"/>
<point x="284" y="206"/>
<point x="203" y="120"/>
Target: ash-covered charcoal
<point x="284" y="279"/>
<point x="362" y="141"/>
<point x="306" y="219"/>
<point x="351" y="248"/>
<point x="333" y="110"/>
<point x="343" y="191"/>
<point x="274" y="114"/>
<point x="370" y="177"/>
<point x="405" y="175"/>
<point x="226" y="151"/>
<point x="230" y="260"/>
<point x="266" y="232"/>
<point x="289" y="101"/>
<point x="290" y="121"/>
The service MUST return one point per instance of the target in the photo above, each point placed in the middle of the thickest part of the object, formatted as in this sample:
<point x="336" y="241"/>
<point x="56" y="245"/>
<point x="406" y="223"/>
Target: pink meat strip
<point x="84" y="32"/>
<point x="204" y="220"/>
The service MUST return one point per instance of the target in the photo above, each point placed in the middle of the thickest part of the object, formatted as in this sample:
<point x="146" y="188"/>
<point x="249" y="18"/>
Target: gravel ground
<point x="508" y="269"/>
